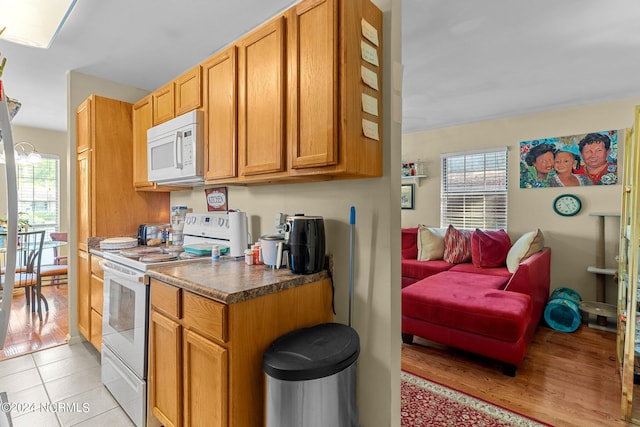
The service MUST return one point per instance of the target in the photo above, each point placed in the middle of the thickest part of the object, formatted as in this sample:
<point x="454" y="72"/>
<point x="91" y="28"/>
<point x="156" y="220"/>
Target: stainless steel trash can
<point x="311" y="377"/>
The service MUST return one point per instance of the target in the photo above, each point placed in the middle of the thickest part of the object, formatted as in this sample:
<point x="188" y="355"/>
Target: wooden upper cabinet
<point x="142" y="120"/>
<point x="313" y="89"/>
<point x="188" y="88"/>
<point x="220" y="104"/>
<point x="360" y="155"/>
<point x="163" y="104"/>
<point x="261" y="100"/>
<point x="83" y="198"/>
<point x="177" y="97"/>
<point x="104" y="175"/>
<point x="83" y="126"/>
<point x="329" y="104"/>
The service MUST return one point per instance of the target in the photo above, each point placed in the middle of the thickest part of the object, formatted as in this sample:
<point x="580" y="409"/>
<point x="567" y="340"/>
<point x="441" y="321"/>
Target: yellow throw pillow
<point x="527" y="245"/>
<point x="430" y="243"/>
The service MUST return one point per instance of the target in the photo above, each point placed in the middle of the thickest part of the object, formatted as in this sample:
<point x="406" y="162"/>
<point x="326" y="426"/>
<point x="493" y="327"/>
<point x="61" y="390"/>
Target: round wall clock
<point x="567" y="205"/>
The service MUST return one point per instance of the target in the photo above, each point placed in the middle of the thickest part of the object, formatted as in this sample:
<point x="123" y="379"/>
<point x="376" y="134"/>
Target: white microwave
<point x="175" y="150"/>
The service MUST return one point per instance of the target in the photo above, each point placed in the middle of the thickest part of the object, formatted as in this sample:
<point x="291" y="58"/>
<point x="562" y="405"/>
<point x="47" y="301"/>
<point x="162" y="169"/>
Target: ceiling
<point x="463" y="60"/>
<point x="467" y="60"/>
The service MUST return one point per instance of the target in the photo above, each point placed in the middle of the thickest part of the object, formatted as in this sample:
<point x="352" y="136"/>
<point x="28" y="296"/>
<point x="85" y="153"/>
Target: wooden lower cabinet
<point x="165" y="373"/>
<point x="205" y="374"/>
<point x="96" y="330"/>
<point x="84" y="294"/>
<point x="205" y="358"/>
<point x="96" y="300"/>
<point x="90" y="297"/>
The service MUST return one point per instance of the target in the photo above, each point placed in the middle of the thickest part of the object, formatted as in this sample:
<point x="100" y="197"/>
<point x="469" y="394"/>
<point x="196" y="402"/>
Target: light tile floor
<point x="57" y="387"/>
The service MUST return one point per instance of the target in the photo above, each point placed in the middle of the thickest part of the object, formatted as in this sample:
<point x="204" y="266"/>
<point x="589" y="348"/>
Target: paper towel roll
<point x="238" y="233"/>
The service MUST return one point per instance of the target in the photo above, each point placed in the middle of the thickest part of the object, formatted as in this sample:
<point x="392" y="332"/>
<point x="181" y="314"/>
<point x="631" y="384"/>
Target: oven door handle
<point x="121" y="274"/>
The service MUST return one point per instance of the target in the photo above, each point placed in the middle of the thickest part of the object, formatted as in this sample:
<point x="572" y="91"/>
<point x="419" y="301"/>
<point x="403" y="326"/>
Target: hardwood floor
<point x="566" y="379"/>
<point x="26" y="333"/>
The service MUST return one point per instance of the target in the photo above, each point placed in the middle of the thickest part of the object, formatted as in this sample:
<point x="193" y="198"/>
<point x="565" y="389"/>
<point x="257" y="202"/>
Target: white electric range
<point x="125" y="314"/>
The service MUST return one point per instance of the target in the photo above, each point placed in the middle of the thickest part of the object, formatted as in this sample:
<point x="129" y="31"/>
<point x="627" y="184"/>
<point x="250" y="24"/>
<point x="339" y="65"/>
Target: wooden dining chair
<point x="28" y="263"/>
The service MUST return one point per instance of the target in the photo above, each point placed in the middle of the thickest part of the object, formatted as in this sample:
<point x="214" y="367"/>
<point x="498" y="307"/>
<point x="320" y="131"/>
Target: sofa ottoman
<point x="482" y="310"/>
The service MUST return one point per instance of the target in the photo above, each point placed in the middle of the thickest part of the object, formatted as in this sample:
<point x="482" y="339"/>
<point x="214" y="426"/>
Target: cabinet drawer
<point x="166" y="298"/>
<point x="205" y="316"/>
<point x="95" y="266"/>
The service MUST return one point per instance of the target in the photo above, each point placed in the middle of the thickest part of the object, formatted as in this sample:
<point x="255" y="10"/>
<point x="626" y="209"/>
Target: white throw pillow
<point x="430" y="243"/>
<point x="527" y="245"/>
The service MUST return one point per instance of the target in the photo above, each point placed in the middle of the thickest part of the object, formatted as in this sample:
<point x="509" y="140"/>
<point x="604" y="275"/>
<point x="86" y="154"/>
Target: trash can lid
<point x="311" y="353"/>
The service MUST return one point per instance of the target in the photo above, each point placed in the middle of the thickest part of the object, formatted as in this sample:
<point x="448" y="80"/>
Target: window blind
<point x="474" y="190"/>
<point x="39" y="193"/>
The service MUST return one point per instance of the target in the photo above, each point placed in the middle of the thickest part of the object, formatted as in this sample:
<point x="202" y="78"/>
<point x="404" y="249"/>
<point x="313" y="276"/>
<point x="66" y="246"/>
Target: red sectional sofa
<point x="487" y="311"/>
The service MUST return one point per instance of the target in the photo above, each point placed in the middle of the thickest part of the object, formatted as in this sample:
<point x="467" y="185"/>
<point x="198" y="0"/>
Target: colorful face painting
<point x="569" y="161"/>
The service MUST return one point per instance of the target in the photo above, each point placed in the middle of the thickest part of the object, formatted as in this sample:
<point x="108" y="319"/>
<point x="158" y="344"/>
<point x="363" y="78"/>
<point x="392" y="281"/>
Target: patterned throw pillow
<point x="457" y="245"/>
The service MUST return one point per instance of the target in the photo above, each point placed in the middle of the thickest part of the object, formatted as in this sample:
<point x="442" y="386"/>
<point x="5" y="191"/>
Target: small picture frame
<point x="217" y="199"/>
<point x="407" y="196"/>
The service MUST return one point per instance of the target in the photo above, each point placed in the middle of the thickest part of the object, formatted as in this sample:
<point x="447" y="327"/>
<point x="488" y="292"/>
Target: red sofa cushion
<point x="409" y="243"/>
<point x="471" y="280"/>
<point x="467" y="267"/>
<point x="420" y="269"/>
<point x="493" y="313"/>
<point x="489" y="248"/>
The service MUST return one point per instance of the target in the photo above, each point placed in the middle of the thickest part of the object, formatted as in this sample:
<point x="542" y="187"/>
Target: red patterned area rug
<point x="425" y="403"/>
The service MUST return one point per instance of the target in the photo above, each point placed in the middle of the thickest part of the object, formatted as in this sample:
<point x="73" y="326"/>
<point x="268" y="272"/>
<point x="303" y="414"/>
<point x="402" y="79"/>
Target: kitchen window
<point x="474" y="189"/>
<point x="39" y="193"/>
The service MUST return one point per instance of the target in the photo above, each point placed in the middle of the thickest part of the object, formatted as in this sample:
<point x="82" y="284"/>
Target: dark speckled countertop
<point x="227" y="280"/>
<point x="230" y="281"/>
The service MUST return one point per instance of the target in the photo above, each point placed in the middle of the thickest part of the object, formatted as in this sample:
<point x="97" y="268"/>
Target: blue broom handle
<point x="352" y="222"/>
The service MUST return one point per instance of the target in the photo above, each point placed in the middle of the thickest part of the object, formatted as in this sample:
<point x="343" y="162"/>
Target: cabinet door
<point x="83" y="198"/>
<point x="84" y="294"/>
<point x="96" y="330"/>
<point x="163" y="104"/>
<point x="188" y="89"/>
<point x="220" y="99"/>
<point x="165" y="374"/>
<point x="83" y="126"/>
<point x="313" y="83"/>
<point x="142" y="120"/>
<point x="261" y="136"/>
<point x="205" y="382"/>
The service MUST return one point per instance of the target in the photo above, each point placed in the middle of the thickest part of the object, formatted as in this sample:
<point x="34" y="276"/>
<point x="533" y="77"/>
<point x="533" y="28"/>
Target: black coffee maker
<point x="304" y="238"/>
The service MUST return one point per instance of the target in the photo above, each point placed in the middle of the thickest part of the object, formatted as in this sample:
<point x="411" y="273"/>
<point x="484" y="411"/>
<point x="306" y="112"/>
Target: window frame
<point x="475" y="198"/>
<point x="49" y="226"/>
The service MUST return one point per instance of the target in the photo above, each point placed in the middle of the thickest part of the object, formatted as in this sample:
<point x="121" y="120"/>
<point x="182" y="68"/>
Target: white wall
<point x="572" y="240"/>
